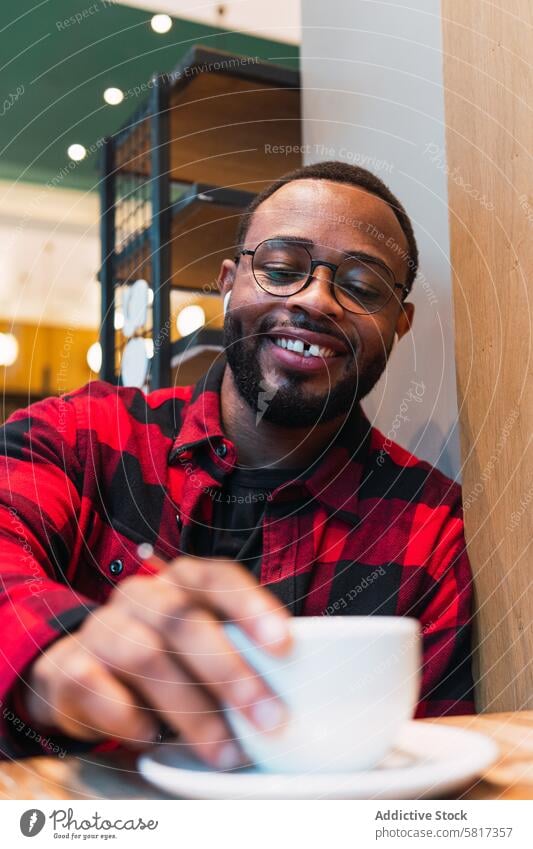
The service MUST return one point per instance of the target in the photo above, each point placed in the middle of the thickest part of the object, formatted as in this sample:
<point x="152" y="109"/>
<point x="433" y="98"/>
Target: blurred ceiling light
<point x="94" y="357"/>
<point x="161" y="23"/>
<point x="119" y="320"/>
<point x="76" y="152"/>
<point x="9" y="349"/>
<point x="149" y="348"/>
<point x="113" y="96"/>
<point x="190" y="319"/>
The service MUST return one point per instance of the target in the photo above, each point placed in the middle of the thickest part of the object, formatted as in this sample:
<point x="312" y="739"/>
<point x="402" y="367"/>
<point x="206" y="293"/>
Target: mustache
<point x="307" y="324"/>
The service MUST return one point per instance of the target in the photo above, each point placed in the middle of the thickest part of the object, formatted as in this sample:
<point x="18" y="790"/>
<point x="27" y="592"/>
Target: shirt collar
<point x="201" y="421"/>
<point x="333" y="479"/>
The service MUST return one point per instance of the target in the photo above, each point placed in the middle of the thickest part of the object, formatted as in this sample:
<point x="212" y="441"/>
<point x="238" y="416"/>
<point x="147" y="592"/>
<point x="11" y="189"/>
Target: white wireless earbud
<point x="227" y="296"/>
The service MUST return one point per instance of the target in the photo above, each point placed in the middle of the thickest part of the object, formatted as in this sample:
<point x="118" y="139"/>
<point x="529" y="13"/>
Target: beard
<point x="292" y="404"/>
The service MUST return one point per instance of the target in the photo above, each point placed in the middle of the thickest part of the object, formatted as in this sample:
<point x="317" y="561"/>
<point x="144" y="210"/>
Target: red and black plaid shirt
<point x="87" y="477"/>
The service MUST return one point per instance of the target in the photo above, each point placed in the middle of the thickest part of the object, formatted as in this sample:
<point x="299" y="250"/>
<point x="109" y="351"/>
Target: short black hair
<point x="339" y="172"/>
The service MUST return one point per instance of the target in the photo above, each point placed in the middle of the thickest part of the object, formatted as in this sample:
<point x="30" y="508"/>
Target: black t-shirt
<point x="238" y="508"/>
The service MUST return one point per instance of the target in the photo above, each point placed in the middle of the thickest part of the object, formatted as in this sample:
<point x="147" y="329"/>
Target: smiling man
<point x="264" y="488"/>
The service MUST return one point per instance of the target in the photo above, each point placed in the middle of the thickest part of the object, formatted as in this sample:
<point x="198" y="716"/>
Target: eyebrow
<point x="312" y="244"/>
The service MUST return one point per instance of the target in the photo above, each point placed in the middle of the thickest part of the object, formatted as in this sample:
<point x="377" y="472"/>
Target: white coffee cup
<point x="350" y="683"/>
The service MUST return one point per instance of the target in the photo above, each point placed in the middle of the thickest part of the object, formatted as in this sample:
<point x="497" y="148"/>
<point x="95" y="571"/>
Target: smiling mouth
<point x="304" y="349"/>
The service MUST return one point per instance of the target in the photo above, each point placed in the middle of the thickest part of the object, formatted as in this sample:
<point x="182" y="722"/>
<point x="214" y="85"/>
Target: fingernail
<point x="246" y="690"/>
<point x="268" y="714"/>
<point x="229" y="757"/>
<point x="271" y="629"/>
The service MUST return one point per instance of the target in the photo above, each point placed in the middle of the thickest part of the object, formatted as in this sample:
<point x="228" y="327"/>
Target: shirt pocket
<point x="116" y="555"/>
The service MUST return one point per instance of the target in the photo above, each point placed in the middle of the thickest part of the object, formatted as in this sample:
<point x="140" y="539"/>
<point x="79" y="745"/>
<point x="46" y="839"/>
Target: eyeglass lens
<point x="282" y="268"/>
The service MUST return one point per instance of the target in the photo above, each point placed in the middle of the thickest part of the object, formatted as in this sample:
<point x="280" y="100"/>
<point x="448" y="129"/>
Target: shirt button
<point x="221" y="450"/>
<point x="116" y="567"/>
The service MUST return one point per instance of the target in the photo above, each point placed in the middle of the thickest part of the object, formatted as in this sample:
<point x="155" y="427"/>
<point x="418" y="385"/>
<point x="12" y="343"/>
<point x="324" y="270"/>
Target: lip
<point x="323" y="340"/>
<point x="296" y="362"/>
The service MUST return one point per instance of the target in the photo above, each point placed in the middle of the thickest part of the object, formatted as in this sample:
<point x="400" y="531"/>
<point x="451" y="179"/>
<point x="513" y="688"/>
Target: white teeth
<point x="295" y="345"/>
<point x="298" y="347"/>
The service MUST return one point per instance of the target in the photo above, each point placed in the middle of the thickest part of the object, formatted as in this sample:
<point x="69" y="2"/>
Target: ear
<point x="226" y="276"/>
<point x="405" y="319"/>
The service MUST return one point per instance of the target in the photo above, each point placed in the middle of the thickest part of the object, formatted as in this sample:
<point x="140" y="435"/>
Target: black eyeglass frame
<point x="314" y="263"/>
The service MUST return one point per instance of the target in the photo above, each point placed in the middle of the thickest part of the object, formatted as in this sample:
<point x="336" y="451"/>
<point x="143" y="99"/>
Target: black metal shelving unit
<point x="176" y="177"/>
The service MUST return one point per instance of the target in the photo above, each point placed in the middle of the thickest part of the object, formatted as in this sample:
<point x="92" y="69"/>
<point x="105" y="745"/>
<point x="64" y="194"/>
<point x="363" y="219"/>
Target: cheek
<point x="257" y="314"/>
<point x="372" y="335"/>
<point x="251" y="303"/>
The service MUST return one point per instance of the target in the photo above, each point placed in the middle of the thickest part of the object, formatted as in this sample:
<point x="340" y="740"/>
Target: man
<point x="264" y="491"/>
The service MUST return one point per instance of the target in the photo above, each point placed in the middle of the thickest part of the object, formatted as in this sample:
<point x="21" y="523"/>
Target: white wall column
<point x="373" y="96"/>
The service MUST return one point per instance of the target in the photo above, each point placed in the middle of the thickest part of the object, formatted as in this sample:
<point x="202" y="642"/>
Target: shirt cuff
<point x="20" y="737"/>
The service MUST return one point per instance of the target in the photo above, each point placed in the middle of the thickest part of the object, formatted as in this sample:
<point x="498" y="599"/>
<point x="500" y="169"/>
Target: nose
<point x="317" y="297"/>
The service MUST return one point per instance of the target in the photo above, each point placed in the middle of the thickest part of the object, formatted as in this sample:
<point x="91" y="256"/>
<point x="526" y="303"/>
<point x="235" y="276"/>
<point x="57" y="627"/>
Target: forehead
<point x="337" y="216"/>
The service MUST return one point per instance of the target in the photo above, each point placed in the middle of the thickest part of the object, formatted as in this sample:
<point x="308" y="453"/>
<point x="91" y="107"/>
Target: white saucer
<point x="427" y="761"/>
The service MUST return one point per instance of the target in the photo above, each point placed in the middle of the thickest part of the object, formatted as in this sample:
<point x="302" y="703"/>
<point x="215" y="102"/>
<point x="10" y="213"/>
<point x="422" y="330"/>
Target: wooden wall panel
<point x="488" y="85"/>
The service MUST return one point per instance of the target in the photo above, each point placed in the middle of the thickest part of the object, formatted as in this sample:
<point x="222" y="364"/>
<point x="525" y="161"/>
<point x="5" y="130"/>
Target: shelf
<point x="227" y="115"/>
<point x="203" y="226"/>
<point x="175" y="181"/>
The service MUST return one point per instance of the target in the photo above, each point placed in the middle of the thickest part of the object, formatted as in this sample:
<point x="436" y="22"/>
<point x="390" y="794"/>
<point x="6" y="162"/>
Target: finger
<point x="187" y="706"/>
<point x="139" y="659"/>
<point x="92" y="704"/>
<point x="209" y="656"/>
<point x="234" y="594"/>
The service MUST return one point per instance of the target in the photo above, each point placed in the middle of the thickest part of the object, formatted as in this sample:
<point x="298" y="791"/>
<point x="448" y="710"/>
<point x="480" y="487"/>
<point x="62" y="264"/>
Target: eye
<point x="361" y="291"/>
<point x="281" y="273"/>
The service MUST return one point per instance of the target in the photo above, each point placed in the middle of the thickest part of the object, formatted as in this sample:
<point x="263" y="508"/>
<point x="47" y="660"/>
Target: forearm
<point x="24" y="641"/>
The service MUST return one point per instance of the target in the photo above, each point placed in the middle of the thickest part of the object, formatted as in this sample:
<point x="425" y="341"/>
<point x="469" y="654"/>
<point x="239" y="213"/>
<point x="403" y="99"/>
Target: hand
<point x="156" y="651"/>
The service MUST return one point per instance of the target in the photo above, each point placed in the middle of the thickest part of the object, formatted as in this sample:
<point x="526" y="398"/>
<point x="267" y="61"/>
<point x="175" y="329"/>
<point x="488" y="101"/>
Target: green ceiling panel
<point x="58" y="56"/>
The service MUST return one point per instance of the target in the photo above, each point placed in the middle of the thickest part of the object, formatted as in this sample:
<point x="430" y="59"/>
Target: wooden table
<point x="115" y="777"/>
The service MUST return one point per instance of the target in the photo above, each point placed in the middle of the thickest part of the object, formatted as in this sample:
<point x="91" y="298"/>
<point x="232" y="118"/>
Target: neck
<point x="266" y="444"/>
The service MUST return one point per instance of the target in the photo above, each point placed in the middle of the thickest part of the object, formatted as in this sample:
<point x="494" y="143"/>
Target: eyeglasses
<point x="283" y="268"/>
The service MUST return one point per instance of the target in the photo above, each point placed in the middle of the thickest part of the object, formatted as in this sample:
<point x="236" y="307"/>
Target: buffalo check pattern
<point x="368" y="529"/>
